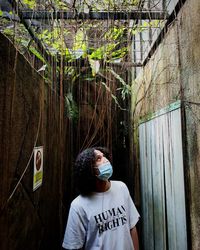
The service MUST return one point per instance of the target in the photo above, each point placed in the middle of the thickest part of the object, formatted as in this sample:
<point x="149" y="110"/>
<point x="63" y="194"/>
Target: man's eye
<point x="98" y="158"/>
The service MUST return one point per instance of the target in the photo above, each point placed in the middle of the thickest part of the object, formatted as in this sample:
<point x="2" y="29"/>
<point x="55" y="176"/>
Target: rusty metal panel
<point x="162" y="182"/>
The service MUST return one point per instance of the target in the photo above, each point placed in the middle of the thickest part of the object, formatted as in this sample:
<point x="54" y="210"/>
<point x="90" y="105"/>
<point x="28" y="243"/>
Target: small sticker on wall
<point x="38" y="167"/>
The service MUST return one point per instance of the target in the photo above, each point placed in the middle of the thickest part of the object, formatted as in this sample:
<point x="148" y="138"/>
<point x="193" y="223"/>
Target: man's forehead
<point x="97" y="152"/>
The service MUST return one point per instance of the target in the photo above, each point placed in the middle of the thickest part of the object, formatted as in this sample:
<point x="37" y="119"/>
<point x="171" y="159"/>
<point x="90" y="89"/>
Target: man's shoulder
<point x="77" y="201"/>
<point x="118" y="184"/>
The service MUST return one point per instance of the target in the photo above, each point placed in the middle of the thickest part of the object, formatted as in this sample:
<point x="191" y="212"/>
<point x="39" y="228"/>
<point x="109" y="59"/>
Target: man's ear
<point x="96" y="171"/>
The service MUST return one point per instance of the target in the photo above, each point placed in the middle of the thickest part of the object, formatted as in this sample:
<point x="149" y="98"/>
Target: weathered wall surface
<point x="29" y="116"/>
<point x="190" y="72"/>
<point x="173" y="73"/>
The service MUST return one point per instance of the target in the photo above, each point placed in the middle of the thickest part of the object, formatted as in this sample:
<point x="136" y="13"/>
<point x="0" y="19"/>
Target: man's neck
<point x="102" y="186"/>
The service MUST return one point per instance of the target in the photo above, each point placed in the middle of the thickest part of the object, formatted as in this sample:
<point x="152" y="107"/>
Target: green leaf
<point x="113" y="96"/>
<point x="68" y="54"/>
<point x="119" y="53"/>
<point x="118" y="77"/>
<point x="98" y="54"/>
<point x="8" y="32"/>
<point x="71" y="107"/>
<point x="125" y="89"/>
<point x="30" y="3"/>
<point x="80" y="42"/>
<point x="37" y="54"/>
<point x="95" y="66"/>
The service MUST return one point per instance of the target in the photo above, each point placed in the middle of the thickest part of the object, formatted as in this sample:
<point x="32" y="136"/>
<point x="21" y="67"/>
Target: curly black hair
<point x="85" y="178"/>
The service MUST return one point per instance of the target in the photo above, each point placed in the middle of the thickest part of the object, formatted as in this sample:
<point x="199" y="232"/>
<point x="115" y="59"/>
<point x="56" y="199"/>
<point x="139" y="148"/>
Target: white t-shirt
<point x="102" y="221"/>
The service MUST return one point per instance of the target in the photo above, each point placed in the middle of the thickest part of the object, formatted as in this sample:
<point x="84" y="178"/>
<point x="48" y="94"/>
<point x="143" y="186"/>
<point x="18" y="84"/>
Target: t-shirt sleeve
<point x="133" y="213"/>
<point x="75" y="231"/>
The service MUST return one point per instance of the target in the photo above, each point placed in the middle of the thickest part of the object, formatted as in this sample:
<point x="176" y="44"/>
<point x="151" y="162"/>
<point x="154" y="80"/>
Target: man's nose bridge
<point x="105" y="159"/>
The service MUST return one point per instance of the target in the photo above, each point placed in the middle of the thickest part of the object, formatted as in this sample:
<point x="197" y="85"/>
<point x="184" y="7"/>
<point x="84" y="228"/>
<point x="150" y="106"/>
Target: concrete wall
<point x="173" y="73"/>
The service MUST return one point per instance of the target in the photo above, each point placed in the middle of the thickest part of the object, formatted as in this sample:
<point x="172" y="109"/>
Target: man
<point x="103" y="216"/>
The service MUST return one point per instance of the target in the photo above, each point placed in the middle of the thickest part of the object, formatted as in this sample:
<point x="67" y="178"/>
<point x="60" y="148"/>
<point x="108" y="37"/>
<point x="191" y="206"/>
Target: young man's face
<point x="99" y="159"/>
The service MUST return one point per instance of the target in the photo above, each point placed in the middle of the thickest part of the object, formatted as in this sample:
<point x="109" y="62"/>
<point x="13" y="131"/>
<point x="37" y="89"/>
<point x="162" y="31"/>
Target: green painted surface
<point x="169" y="108"/>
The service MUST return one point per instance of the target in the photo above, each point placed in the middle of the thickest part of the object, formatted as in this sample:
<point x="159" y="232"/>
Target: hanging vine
<point x="75" y="42"/>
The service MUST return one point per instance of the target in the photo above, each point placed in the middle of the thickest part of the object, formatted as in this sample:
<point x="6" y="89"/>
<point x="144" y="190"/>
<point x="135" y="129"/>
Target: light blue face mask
<point x="105" y="171"/>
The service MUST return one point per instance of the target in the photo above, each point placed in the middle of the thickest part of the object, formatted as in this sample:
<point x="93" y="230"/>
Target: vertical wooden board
<point x="142" y="138"/>
<point x="158" y="186"/>
<point x="146" y="180"/>
<point x="162" y="180"/>
<point x="175" y="182"/>
<point x="162" y="183"/>
<point x="152" y="152"/>
<point x="178" y="180"/>
<point x="169" y="185"/>
<point x="149" y="197"/>
<point x="143" y="153"/>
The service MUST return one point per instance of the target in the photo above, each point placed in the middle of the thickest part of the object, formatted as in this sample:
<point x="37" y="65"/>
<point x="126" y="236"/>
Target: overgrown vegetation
<point x="70" y="41"/>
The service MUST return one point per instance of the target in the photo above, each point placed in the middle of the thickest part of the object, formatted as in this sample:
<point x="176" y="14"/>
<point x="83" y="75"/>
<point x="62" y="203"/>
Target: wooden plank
<point x="162" y="181"/>
<point x="170" y="215"/>
<point x="178" y="179"/>
<point x="158" y="186"/>
<point x="174" y="179"/>
<point x="149" y="188"/>
<point x="142" y="138"/>
<point x="146" y="188"/>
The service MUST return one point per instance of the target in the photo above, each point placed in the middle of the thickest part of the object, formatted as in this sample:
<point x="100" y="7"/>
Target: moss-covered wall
<point x="29" y="116"/>
<point x="173" y="73"/>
